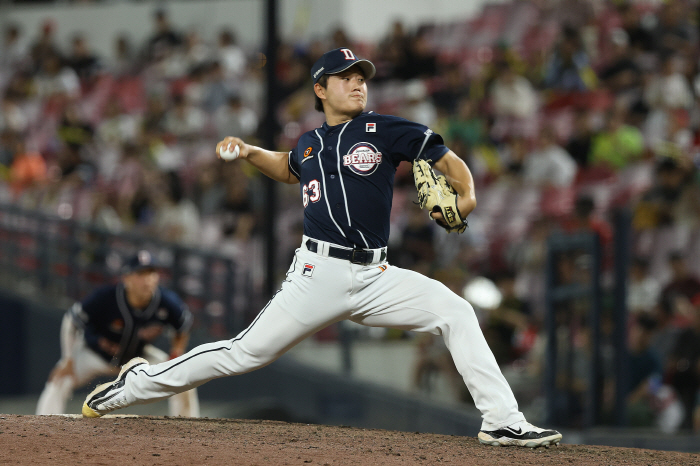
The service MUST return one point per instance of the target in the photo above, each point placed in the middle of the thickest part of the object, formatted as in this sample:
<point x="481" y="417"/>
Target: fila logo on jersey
<point x="363" y="158"/>
<point x="371" y="128"/>
<point x="308" y="270"/>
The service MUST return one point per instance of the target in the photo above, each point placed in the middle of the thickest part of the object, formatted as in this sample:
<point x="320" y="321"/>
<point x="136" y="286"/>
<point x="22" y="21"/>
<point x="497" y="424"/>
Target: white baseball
<point x="229" y="154"/>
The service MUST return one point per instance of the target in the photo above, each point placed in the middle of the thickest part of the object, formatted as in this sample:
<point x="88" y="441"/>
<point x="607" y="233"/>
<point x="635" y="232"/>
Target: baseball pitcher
<point x="345" y="171"/>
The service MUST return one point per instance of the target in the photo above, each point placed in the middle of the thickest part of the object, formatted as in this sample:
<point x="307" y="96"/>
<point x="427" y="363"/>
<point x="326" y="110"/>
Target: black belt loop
<point x="311" y="245"/>
<point x="356" y="256"/>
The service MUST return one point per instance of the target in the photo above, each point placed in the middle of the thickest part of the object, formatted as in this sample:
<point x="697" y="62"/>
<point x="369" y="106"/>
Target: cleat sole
<point x="505" y="442"/>
<point x="88" y="412"/>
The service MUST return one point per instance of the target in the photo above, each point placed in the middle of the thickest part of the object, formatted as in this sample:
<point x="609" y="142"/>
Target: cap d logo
<point x="348" y="54"/>
<point x="363" y="158"/>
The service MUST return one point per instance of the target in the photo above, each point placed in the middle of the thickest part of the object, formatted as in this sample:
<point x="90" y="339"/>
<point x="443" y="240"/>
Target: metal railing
<point x="578" y="327"/>
<point x="52" y="258"/>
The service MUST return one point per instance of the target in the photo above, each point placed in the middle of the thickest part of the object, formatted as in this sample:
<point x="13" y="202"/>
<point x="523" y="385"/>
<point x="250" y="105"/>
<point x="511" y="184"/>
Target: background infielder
<point x="113" y="325"/>
<point x="346" y="170"/>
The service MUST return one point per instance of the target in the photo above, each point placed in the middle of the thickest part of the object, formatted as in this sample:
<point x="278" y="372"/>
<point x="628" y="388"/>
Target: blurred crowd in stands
<point x="565" y="111"/>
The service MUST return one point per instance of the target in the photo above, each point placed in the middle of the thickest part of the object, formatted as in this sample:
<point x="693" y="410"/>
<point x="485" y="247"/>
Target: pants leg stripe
<point x="291" y="270"/>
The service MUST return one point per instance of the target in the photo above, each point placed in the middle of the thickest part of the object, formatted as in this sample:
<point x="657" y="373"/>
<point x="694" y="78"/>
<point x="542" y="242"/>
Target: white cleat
<point x="110" y="396"/>
<point x="520" y="434"/>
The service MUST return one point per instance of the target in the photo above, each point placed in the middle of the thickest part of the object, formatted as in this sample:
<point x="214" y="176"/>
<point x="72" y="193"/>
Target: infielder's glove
<point x="436" y="195"/>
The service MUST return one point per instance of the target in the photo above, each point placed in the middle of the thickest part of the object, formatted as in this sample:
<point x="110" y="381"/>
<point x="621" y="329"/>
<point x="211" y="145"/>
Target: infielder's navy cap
<point x="142" y="260"/>
<point x="339" y="60"/>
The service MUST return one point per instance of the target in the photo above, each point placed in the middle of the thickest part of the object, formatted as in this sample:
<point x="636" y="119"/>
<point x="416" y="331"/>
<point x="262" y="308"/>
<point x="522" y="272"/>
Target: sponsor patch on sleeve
<point x="371" y="128"/>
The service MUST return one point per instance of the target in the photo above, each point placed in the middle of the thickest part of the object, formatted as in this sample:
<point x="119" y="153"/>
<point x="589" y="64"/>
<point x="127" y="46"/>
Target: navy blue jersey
<point x="106" y="313"/>
<point x="346" y="173"/>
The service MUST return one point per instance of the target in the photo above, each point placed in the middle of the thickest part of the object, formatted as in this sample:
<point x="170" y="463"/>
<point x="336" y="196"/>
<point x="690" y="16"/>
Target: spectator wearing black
<point x="164" y="39"/>
<point x="580" y="141"/>
<point x="667" y="331"/>
<point x="416" y="248"/>
<point x="392" y="53"/>
<point x="673" y="32"/>
<point x="236" y="209"/>
<point x="507" y="322"/>
<point x="684" y="284"/>
<point x="45" y="45"/>
<point x="74" y="130"/>
<point x="657" y="206"/>
<point x="420" y="60"/>
<point x="85" y="64"/>
<point x="640" y="36"/>
<point x="568" y="68"/>
<point x="645" y="369"/>
<point x="684" y="366"/>
<point x="620" y="73"/>
<point x="454" y="87"/>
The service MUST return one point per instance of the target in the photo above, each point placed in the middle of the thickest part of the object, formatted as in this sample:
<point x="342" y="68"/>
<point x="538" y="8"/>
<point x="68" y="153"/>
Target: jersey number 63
<point x="311" y="192"/>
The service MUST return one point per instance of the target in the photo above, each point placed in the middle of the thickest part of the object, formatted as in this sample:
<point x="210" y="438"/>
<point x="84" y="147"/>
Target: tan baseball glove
<point x="436" y="195"/>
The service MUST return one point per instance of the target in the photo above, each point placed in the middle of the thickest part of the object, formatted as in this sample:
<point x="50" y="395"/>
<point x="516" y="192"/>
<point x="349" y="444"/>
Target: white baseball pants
<point x="321" y="290"/>
<point x="87" y="365"/>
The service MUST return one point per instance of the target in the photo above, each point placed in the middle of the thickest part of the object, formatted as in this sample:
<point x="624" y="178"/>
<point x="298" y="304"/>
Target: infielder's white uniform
<point x="320" y="290"/>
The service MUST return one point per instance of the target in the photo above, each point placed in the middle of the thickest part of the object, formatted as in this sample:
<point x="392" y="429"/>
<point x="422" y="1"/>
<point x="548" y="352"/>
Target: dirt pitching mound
<point x="134" y="440"/>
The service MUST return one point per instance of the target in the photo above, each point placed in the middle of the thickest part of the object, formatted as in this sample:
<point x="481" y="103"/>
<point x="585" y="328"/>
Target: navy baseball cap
<point x="142" y="260"/>
<point x="339" y="60"/>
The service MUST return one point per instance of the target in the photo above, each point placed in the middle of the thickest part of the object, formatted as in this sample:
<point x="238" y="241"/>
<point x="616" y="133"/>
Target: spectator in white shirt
<point x="177" y="217"/>
<point x="235" y="118"/>
<point x="184" y="120"/>
<point x="549" y="164"/>
<point x="418" y="106"/>
<point x="644" y="290"/>
<point x="669" y="89"/>
<point x="14" y="54"/>
<point x="56" y="79"/>
<point x="515" y="104"/>
<point x="231" y="56"/>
